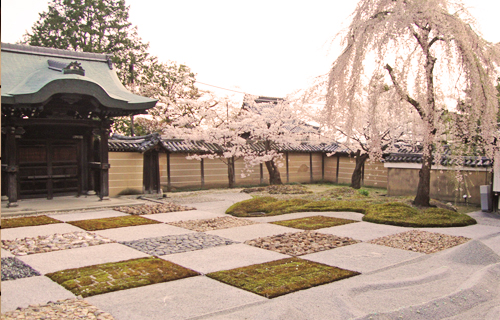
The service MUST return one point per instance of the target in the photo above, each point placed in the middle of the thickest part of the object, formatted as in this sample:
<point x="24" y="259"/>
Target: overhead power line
<point x="211" y="85"/>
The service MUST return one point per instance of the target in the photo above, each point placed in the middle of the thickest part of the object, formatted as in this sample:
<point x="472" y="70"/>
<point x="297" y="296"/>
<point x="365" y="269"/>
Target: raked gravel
<point x="420" y="241"/>
<point x="212" y="224"/>
<point x="53" y="242"/>
<point x="59" y="310"/>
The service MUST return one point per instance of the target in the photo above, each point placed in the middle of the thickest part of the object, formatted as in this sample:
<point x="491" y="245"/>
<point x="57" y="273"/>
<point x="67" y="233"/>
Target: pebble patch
<point x="212" y="224"/>
<point x="62" y="309"/>
<point x="54" y="242"/>
<point x="161" y="246"/>
<point x="153" y="208"/>
<point x="420" y="241"/>
<point x="13" y="268"/>
<point x="300" y="243"/>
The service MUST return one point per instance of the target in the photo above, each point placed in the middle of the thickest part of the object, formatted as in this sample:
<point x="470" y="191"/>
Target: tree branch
<point x="403" y="95"/>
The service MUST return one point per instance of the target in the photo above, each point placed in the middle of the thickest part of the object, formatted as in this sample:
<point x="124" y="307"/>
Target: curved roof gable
<point x="31" y="75"/>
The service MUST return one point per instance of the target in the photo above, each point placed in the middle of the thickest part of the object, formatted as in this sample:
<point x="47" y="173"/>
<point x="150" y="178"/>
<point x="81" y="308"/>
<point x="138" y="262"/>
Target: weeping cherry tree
<point x="430" y="55"/>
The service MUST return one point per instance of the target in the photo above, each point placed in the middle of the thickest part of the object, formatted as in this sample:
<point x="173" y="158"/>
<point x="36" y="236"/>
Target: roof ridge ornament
<point x="74" y="67"/>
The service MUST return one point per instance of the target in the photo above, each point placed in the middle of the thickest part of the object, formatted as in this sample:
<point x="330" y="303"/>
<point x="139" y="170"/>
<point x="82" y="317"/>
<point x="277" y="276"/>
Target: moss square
<point x="27" y="221"/>
<point x="276" y="278"/>
<point x="110" y="223"/>
<point x="109" y="277"/>
<point x="314" y="222"/>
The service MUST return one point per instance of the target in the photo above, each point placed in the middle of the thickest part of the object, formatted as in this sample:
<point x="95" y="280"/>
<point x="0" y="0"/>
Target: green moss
<point x="314" y="222"/>
<point x="27" y="221"/>
<point x="276" y="278"/>
<point x="400" y="214"/>
<point x="247" y="207"/>
<point x="109" y="277"/>
<point x="271" y="207"/>
<point x="114" y="222"/>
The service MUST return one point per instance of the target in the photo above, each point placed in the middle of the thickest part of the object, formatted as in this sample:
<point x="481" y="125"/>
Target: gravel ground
<point x="301" y="243"/>
<point x="13" y="268"/>
<point x="61" y="310"/>
<point x="153" y="208"/>
<point x="53" y="242"/>
<point x="420" y="241"/>
<point x="212" y="224"/>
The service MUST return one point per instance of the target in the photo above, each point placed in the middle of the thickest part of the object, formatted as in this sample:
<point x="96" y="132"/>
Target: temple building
<point x="57" y="108"/>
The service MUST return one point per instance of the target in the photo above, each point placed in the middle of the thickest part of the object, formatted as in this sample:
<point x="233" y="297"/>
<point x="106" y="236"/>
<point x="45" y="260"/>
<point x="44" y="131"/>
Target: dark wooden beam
<point x="12" y="167"/>
<point x="287" y="168"/>
<point x="169" y="179"/>
<point x="311" y="167"/>
<point x="202" y="169"/>
<point x="104" y="169"/>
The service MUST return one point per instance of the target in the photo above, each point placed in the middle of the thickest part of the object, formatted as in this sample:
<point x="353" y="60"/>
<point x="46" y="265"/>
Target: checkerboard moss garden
<point x="277" y="278"/>
<point x="109" y="277"/>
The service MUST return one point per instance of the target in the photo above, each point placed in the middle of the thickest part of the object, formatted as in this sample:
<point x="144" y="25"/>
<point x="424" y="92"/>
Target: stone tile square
<point x="13" y="268"/>
<point x="142" y="232"/>
<point x="223" y="258"/>
<point x="160" y="246"/>
<point x="184" y="215"/>
<point x="87" y="215"/>
<point x="6" y="254"/>
<point x="80" y="257"/>
<point x="33" y="290"/>
<point x="181" y="299"/>
<point x="300" y="243"/>
<point x="35" y="231"/>
<point x="252" y="231"/>
<point x="363" y="231"/>
<point x="362" y="257"/>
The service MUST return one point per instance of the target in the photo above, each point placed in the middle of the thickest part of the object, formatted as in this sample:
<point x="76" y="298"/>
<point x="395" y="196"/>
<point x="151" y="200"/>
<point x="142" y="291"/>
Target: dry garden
<point x="270" y="279"/>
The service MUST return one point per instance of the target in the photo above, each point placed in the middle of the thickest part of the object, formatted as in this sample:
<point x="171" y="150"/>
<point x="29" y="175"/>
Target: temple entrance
<point x="49" y="168"/>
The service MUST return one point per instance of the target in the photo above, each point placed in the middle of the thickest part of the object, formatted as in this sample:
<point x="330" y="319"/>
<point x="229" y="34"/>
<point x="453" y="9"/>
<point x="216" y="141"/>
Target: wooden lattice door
<point x="48" y="168"/>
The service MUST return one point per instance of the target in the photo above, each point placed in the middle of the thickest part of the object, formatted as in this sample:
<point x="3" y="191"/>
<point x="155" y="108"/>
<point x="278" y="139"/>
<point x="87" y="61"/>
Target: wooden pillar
<point x="104" y="165"/>
<point x="311" y="167"/>
<point x="287" y="168"/>
<point x="50" y="172"/>
<point x="322" y="167"/>
<point x="261" y="174"/>
<point x="337" y="173"/>
<point x="12" y="167"/>
<point x="202" y="168"/>
<point x="91" y="187"/>
<point x="169" y="179"/>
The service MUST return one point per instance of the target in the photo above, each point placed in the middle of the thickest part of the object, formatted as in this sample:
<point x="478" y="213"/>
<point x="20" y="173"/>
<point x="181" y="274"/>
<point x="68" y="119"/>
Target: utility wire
<point x="210" y="85"/>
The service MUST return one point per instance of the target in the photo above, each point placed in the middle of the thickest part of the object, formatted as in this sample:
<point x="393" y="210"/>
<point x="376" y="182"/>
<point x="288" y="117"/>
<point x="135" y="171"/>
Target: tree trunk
<point x="422" y="199"/>
<point x="274" y="173"/>
<point x="230" y="172"/>
<point x="357" y="173"/>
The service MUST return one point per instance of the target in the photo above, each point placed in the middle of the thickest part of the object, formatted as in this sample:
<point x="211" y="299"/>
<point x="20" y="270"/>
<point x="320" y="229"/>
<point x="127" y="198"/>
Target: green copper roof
<point x="29" y="78"/>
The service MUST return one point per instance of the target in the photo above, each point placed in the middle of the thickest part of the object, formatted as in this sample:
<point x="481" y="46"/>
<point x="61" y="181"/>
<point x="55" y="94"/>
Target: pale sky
<point x="261" y="47"/>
